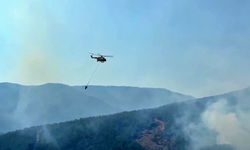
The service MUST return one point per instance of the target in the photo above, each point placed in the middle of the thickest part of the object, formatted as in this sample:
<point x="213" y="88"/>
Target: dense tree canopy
<point x="112" y="132"/>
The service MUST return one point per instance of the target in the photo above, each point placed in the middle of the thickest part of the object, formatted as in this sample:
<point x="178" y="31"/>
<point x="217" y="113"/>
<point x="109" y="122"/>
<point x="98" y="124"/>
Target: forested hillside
<point x="179" y="126"/>
<point x="104" y="132"/>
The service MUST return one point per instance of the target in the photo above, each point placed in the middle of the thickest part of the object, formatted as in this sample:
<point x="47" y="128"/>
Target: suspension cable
<point x="92" y="75"/>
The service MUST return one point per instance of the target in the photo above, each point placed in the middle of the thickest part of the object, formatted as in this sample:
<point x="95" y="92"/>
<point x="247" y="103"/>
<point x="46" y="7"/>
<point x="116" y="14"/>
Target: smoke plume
<point x="36" y="34"/>
<point x="221" y="124"/>
<point x="231" y="126"/>
<point x="39" y="52"/>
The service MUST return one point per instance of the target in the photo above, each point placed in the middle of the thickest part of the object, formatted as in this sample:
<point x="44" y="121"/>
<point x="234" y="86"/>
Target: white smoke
<point x="34" y="26"/>
<point x="48" y="137"/>
<point x="221" y="123"/>
<point x="36" y="34"/>
<point x="231" y="126"/>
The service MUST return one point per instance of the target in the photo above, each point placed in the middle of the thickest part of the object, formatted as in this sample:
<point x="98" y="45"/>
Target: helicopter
<point x="100" y="58"/>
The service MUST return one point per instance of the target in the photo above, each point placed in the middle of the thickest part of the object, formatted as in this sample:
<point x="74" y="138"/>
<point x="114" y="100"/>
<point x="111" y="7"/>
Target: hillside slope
<point x="23" y="106"/>
<point x="134" y="98"/>
<point x="217" y="122"/>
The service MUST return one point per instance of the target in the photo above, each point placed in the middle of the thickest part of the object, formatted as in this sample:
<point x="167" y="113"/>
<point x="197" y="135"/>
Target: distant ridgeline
<point x="25" y="106"/>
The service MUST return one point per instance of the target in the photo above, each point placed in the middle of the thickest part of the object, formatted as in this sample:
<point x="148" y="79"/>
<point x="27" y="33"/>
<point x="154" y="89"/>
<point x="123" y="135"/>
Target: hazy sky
<point x="193" y="47"/>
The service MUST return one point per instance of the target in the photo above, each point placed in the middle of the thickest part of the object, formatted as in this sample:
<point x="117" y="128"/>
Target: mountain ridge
<point x="134" y="98"/>
<point x="30" y="105"/>
<point x="25" y="105"/>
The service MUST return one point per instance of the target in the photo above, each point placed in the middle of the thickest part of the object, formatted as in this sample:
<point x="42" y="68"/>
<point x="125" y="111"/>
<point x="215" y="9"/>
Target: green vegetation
<point x="118" y="131"/>
<point x="112" y="132"/>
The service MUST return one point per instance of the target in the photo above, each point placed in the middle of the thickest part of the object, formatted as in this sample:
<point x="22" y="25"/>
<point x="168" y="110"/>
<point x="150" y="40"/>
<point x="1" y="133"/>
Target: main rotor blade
<point x="93" y="53"/>
<point x="101" y="55"/>
<point x="107" y="56"/>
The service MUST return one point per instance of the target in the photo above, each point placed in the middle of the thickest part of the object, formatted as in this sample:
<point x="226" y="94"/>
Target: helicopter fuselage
<point x="101" y="59"/>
